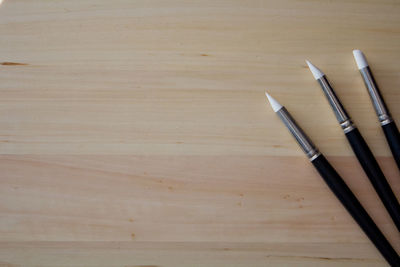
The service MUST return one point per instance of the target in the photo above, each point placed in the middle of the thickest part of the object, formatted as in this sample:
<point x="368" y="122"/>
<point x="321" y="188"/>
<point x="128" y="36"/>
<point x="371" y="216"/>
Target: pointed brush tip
<point x="317" y="73"/>
<point x="274" y="104"/>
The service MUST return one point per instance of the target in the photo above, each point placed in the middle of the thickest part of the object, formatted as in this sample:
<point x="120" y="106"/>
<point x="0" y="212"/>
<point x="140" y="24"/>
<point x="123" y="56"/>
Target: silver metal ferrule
<point x="340" y="113"/>
<point x="304" y="141"/>
<point x="377" y="100"/>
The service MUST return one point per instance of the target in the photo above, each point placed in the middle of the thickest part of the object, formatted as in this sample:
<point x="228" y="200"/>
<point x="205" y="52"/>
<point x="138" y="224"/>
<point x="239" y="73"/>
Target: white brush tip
<point x="315" y="71"/>
<point x="274" y="104"/>
<point x="360" y="59"/>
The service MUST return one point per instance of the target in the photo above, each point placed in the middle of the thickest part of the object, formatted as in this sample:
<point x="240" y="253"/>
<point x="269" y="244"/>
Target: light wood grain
<point x="136" y="133"/>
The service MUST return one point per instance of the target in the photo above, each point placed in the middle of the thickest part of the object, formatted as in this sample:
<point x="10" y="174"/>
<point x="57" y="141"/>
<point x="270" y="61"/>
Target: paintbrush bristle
<point x="360" y="59"/>
<point x="274" y="104"/>
<point x="317" y="73"/>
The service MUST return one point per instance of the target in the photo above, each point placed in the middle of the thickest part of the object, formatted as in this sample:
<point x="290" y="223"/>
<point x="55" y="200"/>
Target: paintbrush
<point x="337" y="185"/>
<point x="388" y="125"/>
<point x="360" y="147"/>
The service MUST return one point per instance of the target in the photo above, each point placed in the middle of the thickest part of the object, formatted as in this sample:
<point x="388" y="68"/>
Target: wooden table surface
<point x="136" y="133"/>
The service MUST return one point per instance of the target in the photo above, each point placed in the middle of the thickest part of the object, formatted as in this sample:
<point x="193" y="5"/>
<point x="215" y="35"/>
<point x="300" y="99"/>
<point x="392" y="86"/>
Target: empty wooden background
<point x="136" y="133"/>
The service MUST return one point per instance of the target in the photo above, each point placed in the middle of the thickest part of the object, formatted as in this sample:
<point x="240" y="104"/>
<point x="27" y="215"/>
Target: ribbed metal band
<point x="315" y="156"/>
<point x="302" y="139"/>
<point x="376" y="97"/>
<point x="347" y="126"/>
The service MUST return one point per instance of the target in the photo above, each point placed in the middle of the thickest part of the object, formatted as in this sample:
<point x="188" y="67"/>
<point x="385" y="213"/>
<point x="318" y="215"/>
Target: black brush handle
<point x="375" y="174"/>
<point x="393" y="139"/>
<point x="353" y="206"/>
